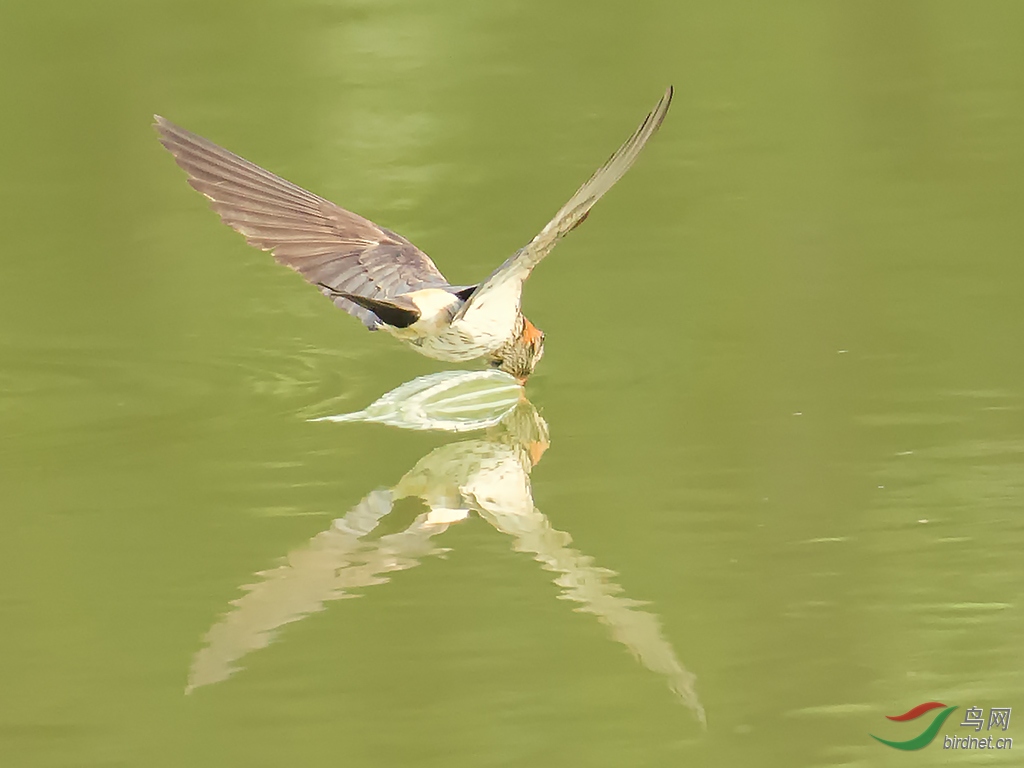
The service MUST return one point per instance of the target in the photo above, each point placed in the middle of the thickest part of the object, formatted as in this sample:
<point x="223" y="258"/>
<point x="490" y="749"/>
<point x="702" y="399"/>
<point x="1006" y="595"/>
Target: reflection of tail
<point x="331" y="564"/>
<point x="592" y="586"/>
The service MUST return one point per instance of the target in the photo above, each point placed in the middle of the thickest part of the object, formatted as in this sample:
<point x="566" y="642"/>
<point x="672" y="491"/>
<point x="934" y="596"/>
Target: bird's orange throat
<point x="530" y="332"/>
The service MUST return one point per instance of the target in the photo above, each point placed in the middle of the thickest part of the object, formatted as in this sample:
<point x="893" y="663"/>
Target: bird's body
<point x="376" y="274"/>
<point x="433" y="333"/>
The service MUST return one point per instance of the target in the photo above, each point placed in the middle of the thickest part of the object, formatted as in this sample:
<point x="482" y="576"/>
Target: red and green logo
<point x="926" y="736"/>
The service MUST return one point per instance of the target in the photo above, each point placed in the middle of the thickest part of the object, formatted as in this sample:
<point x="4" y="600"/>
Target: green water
<point x="781" y="399"/>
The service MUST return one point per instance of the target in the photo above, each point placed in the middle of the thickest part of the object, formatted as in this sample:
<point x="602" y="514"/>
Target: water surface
<point x="782" y="394"/>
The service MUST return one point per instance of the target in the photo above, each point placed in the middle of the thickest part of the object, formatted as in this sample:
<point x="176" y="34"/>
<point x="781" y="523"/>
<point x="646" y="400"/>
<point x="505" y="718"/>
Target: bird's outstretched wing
<point x="518" y="266"/>
<point x="329" y="246"/>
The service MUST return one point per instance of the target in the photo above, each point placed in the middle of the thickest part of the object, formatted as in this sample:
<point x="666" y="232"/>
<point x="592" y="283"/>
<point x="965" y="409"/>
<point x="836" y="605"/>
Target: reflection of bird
<point x="487" y="476"/>
<point x="378" y="275"/>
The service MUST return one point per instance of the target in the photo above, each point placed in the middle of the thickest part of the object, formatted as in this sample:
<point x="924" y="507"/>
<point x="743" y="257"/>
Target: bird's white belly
<point x="451" y="343"/>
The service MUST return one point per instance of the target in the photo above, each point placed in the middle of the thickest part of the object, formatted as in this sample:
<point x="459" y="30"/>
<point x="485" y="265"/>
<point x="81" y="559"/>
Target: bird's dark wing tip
<point x="397" y="312"/>
<point x="667" y="98"/>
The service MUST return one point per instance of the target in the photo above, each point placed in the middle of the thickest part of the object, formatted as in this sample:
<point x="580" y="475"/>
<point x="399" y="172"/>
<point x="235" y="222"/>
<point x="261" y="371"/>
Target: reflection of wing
<point x="585" y="583"/>
<point x="321" y="241"/>
<point x="518" y="266"/>
<point x="329" y="567"/>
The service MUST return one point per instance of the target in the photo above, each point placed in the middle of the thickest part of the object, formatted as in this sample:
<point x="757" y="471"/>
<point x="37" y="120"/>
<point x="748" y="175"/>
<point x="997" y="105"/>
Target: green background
<point x="783" y="378"/>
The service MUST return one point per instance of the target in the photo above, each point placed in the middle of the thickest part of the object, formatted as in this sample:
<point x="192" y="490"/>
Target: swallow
<point x="377" y="275"/>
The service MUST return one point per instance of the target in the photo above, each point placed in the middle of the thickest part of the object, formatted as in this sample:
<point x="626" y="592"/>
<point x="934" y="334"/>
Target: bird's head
<point x="520" y="356"/>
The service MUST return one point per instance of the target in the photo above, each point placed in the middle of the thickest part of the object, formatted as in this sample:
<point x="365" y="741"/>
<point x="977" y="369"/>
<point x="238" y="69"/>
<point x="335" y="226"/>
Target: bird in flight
<point x="376" y="274"/>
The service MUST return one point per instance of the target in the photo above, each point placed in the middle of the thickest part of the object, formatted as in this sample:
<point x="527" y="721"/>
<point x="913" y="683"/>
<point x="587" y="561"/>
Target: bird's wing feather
<point x="521" y="263"/>
<point x="321" y="241"/>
